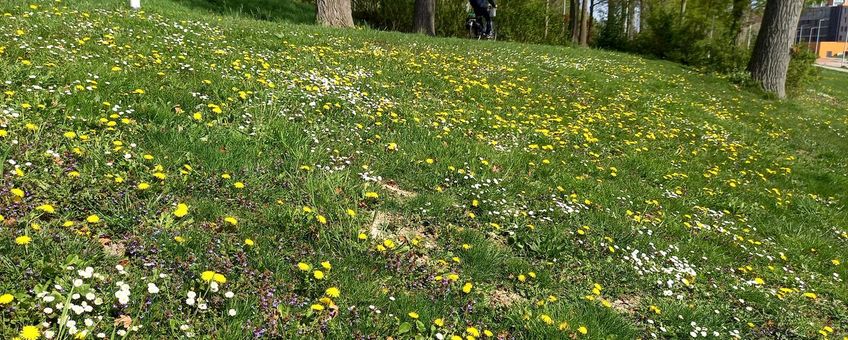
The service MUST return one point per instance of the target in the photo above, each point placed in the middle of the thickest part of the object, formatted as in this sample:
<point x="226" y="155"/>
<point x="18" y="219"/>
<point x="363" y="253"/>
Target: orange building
<point x="829" y="49"/>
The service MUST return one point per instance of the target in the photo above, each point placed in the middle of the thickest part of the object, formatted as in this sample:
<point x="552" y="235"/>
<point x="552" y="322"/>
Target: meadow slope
<point x="168" y="173"/>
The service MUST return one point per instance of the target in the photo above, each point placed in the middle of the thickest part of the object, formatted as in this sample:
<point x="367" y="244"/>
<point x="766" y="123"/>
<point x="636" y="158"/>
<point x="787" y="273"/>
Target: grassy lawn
<point x="171" y="173"/>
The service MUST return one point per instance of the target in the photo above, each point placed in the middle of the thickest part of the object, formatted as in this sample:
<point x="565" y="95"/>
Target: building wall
<point x="830" y="49"/>
<point x="827" y="23"/>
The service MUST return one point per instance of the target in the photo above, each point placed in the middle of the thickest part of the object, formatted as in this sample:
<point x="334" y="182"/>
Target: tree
<point x="334" y="13"/>
<point x="585" y="16"/>
<point x="770" y="59"/>
<point x="425" y="17"/>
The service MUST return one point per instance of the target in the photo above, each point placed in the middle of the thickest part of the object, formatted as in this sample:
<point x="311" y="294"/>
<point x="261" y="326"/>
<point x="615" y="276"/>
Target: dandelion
<point x="30" y="333"/>
<point x="47" y="208"/>
<point x="362" y="236"/>
<point x="23" y="240"/>
<point x="546" y="319"/>
<point x="326" y="265"/>
<point x="372" y="194"/>
<point x="413" y="315"/>
<point x="583" y="330"/>
<point x="317" y="307"/>
<point x="181" y="210"/>
<point x="238" y="185"/>
<point x="439" y="322"/>
<point x="7" y="298"/>
<point x="231" y="220"/>
<point x="207" y="275"/>
<point x="467" y="287"/>
<point x="93" y="219"/>
<point x="333" y="292"/>
<point x="303" y="266"/>
<point x="321" y="219"/>
<point x="473" y="331"/>
<point x="350" y="212"/>
<point x="318" y="274"/>
<point x="249" y="242"/>
<point x="179" y="239"/>
<point x="810" y="295"/>
<point x="17" y="193"/>
<point x="143" y="186"/>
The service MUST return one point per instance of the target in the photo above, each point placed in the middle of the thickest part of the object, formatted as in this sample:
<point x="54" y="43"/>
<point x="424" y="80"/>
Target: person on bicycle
<point x="481" y="10"/>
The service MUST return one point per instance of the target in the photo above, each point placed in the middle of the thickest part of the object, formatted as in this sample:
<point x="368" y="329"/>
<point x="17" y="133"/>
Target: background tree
<point x="425" y="17"/>
<point x="771" y="55"/>
<point x="334" y="13"/>
<point x="585" y="16"/>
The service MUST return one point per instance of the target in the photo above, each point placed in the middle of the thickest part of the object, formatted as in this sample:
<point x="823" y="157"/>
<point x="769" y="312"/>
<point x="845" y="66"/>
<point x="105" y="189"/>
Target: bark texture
<point x="770" y="59"/>
<point x="334" y="13"/>
<point x="584" y="24"/>
<point x="425" y="17"/>
<point x="574" y="20"/>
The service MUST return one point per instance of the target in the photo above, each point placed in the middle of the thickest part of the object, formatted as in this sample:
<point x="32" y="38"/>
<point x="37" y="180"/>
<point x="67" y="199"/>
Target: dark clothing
<point x="482" y="3"/>
<point x="481" y="10"/>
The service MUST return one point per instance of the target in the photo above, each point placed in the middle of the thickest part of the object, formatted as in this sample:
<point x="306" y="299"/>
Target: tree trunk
<point x="547" y="18"/>
<point x="682" y="10"/>
<point x="633" y="22"/>
<point x="425" y="17"/>
<point x="737" y="18"/>
<point x="591" y="22"/>
<point x="771" y="55"/>
<point x="574" y="20"/>
<point x="334" y="13"/>
<point x="584" y="24"/>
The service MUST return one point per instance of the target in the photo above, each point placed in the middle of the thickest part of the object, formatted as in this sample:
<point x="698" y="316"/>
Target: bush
<point x="688" y="43"/>
<point x="802" y="71"/>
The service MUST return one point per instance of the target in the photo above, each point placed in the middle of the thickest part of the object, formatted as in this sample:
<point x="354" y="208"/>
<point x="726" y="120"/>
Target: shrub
<point x="802" y="71"/>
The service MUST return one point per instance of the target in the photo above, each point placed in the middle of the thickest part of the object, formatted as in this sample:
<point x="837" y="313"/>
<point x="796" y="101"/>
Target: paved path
<point x="832" y="64"/>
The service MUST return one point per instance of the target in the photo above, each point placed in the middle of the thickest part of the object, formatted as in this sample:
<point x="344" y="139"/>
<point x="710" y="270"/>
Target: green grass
<point x="575" y="190"/>
<point x="294" y="11"/>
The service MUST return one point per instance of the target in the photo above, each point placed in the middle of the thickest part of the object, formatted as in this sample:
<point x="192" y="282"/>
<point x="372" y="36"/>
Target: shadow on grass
<point x="295" y="11"/>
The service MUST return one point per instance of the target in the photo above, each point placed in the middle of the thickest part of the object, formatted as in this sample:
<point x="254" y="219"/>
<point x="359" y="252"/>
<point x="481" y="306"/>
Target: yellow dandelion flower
<point x="30" y="333"/>
<point x="231" y="220"/>
<point x="318" y="274"/>
<point x="207" y="275"/>
<point x="93" y="219"/>
<point x="303" y="266"/>
<point x="467" y="287"/>
<point x="413" y="315"/>
<point x="23" y="240"/>
<point x="5" y="299"/>
<point x="333" y="292"/>
<point x="17" y="192"/>
<point x="220" y="278"/>
<point x="46" y="208"/>
<point x="181" y="210"/>
<point x="249" y="242"/>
